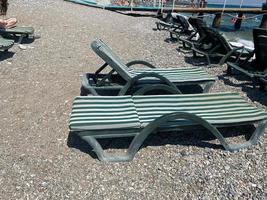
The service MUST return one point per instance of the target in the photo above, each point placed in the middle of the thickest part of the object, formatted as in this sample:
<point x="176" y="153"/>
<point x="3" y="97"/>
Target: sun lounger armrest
<point x="164" y="81"/>
<point x="140" y="62"/>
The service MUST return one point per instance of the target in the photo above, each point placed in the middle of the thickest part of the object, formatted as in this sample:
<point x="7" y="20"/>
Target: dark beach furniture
<point x="100" y="117"/>
<point x="216" y="46"/>
<point x="263" y="82"/>
<point x="196" y="37"/>
<point x="185" y="27"/>
<point x="5" y="44"/>
<point x="122" y="80"/>
<point x="21" y="32"/>
<point x="255" y="68"/>
<point x="167" y="23"/>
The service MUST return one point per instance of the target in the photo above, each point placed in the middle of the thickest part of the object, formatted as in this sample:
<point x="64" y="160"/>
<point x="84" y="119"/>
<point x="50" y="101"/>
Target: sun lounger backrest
<point x="183" y="21"/>
<point x="218" y="38"/>
<point x="260" y="43"/>
<point x="198" y="25"/>
<point x="168" y="18"/>
<point x="104" y="52"/>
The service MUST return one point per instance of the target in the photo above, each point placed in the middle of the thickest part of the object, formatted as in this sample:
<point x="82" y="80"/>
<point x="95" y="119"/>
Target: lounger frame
<point x="109" y="83"/>
<point x="140" y="135"/>
<point x="120" y="80"/>
<point x="96" y="118"/>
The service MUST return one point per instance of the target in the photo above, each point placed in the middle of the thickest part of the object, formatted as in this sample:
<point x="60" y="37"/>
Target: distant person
<point x="6" y="23"/>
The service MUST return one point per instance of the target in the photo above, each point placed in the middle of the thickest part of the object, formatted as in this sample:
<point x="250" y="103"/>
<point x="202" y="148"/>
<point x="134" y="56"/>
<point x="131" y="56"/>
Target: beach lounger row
<point x="130" y="113"/>
<point x="211" y="44"/>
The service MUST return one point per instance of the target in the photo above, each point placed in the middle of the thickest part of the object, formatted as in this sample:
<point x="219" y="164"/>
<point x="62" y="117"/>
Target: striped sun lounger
<point x="21" y="31"/>
<point x="95" y="117"/>
<point x="122" y="80"/>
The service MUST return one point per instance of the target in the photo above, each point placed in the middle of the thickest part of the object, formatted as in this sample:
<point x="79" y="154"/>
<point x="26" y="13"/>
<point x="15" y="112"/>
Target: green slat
<point x="87" y="113"/>
<point x="217" y="108"/>
<point x="102" y="50"/>
<point x="120" y="112"/>
<point x="177" y="74"/>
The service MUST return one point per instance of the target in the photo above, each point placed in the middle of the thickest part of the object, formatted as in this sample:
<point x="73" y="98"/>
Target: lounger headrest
<point x="104" y="52"/>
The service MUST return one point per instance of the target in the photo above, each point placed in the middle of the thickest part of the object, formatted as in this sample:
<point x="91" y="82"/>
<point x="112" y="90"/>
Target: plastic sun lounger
<point x="22" y="32"/>
<point x="255" y="68"/>
<point x="99" y="117"/>
<point x="167" y="23"/>
<point x="196" y="37"/>
<point x="123" y="80"/>
<point x="219" y="48"/>
<point x="5" y="44"/>
<point x="184" y="29"/>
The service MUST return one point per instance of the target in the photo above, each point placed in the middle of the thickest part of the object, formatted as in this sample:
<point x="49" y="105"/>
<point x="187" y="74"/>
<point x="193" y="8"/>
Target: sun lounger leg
<point x="207" y="87"/>
<point x="21" y="38"/>
<point x="140" y="138"/>
<point x="134" y="80"/>
<point x="253" y="139"/>
<point x="103" y="156"/>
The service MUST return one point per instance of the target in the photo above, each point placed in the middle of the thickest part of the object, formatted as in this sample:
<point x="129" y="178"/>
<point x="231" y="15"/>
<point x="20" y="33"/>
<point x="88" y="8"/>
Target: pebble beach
<point x="40" y="159"/>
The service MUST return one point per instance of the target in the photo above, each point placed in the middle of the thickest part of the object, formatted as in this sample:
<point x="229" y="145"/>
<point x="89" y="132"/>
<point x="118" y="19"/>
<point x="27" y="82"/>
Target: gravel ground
<point x="40" y="160"/>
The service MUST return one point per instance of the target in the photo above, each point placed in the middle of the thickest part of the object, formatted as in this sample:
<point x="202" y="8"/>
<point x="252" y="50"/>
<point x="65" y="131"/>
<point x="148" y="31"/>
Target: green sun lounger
<point x="185" y="28"/>
<point x="99" y="117"/>
<point x="254" y="68"/>
<point x="5" y="44"/>
<point x="122" y="80"/>
<point x="22" y="32"/>
<point x="197" y="36"/>
<point x="167" y="23"/>
<point x="218" y="47"/>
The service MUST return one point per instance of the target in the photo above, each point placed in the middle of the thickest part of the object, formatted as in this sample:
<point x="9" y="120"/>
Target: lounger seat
<point x="167" y="23"/>
<point x="122" y="79"/>
<point x="96" y="117"/>
<point x="5" y="44"/>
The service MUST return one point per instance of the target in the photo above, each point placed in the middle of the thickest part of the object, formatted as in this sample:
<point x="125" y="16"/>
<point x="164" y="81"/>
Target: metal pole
<point x="173" y="4"/>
